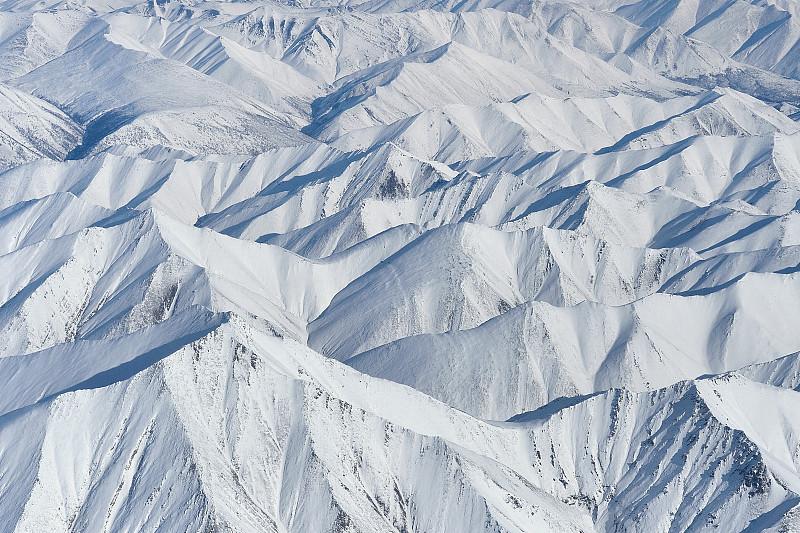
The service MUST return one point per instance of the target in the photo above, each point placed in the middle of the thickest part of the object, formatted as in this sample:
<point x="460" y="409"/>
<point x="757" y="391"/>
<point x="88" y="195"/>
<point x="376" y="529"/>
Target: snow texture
<point x="399" y="266"/>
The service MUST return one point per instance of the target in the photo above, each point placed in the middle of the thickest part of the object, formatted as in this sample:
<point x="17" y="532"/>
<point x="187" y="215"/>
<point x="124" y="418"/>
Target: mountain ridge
<point x="399" y="266"/>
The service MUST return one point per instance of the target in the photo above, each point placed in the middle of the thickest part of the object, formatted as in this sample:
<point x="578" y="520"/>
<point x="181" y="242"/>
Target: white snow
<point x="399" y="265"/>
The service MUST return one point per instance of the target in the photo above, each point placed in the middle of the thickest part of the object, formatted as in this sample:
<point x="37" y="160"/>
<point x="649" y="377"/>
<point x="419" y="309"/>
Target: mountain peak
<point x="399" y="266"/>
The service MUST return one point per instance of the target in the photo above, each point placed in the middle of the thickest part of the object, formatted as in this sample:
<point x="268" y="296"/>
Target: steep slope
<point x="312" y="403"/>
<point x="273" y="83"/>
<point x="539" y="123"/>
<point x="472" y="274"/>
<point x="32" y="128"/>
<point x="399" y="265"/>
<point x="142" y="100"/>
<point x="584" y="349"/>
<point x="307" y="403"/>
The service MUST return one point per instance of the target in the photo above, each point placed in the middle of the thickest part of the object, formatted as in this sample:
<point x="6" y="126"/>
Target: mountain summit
<point x="356" y="266"/>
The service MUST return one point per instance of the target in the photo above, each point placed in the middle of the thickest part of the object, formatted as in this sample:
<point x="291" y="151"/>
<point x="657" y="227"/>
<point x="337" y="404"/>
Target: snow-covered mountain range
<point x="399" y="266"/>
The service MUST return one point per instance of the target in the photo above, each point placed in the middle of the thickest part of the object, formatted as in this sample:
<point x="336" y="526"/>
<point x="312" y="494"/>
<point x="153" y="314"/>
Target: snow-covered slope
<point x="32" y="129"/>
<point x="399" y="265"/>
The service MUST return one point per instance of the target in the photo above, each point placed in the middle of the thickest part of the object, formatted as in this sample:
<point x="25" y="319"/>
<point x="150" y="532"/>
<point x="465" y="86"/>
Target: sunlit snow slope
<point x="399" y="266"/>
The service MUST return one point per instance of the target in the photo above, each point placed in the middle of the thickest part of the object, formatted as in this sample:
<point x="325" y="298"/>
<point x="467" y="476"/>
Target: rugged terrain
<point x="399" y="266"/>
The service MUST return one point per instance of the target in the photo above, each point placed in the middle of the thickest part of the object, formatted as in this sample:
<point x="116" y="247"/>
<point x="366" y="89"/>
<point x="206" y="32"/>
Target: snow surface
<point x="399" y="265"/>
